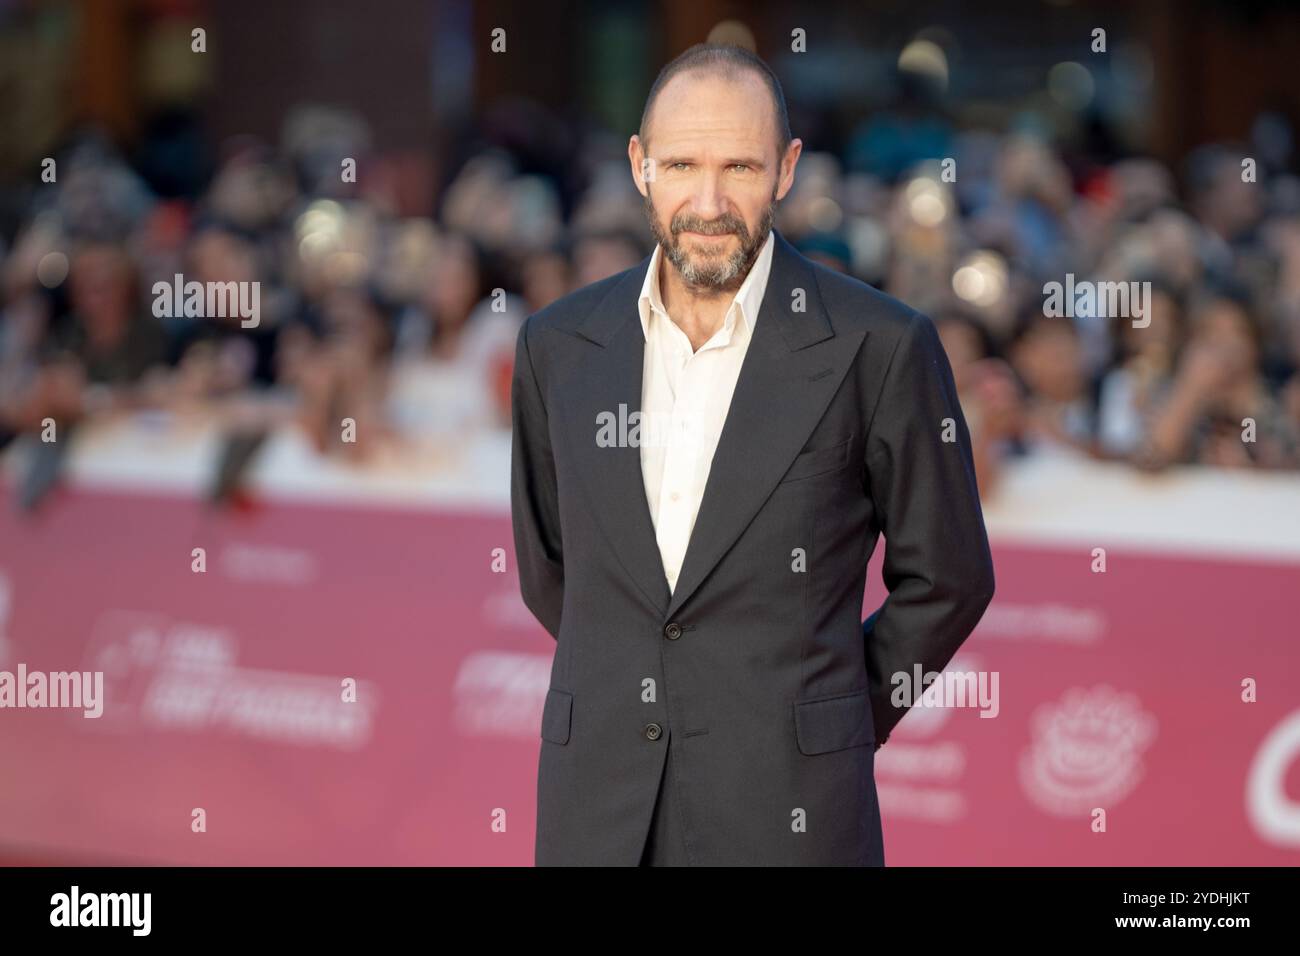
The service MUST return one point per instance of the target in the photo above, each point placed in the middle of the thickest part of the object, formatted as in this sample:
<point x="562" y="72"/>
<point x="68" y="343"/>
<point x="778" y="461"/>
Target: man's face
<point x="716" y="175"/>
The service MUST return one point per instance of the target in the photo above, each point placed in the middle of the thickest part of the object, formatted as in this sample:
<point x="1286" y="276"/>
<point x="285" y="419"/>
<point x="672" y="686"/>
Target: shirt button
<point x="673" y="631"/>
<point x="674" y="496"/>
<point x="653" y="731"/>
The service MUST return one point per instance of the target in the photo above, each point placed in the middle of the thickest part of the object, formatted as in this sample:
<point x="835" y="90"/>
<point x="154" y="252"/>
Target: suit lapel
<point x="794" y="365"/>
<point x="610" y="384"/>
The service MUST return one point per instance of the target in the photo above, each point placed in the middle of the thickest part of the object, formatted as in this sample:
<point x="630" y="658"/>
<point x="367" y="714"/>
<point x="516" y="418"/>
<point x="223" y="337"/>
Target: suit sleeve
<point x="534" y="498"/>
<point x="937" y="564"/>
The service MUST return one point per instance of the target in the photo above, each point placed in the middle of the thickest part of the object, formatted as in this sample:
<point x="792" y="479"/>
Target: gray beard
<point x="712" y="275"/>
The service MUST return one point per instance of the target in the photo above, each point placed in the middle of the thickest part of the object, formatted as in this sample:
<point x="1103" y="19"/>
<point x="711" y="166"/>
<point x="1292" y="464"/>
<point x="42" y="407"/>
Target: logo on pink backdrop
<point x="165" y="674"/>
<point x="1272" y="812"/>
<point x="1086" y="752"/>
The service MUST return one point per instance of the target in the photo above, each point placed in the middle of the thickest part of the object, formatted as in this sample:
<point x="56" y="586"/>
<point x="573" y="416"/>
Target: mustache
<point x="725" y="225"/>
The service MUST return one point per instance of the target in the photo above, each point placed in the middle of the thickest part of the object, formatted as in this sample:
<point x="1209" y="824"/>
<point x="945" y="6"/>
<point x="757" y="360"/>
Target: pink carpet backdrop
<point x="361" y="685"/>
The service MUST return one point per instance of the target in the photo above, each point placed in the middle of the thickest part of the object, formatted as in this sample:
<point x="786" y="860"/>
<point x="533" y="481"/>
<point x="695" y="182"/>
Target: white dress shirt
<point x="685" y="396"/>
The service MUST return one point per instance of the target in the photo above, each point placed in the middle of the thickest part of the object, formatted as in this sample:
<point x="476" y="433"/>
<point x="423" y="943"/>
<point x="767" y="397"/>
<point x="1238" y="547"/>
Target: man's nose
<point x="709" y="202"/>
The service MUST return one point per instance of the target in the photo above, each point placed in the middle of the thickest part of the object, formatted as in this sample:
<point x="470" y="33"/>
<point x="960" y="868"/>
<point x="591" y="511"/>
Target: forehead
<point x="711" y="109"/>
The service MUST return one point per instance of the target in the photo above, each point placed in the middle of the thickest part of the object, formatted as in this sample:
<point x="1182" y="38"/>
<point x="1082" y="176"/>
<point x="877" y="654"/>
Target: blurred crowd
<point x="405" y="326"/>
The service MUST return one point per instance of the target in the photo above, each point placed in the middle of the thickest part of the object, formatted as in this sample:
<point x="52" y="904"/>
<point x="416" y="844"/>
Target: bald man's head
<point x="730" y="62"/>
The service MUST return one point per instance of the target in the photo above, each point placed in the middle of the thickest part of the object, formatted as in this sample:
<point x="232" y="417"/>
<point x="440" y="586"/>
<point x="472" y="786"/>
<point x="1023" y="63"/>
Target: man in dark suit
<point x="706" y="449"/>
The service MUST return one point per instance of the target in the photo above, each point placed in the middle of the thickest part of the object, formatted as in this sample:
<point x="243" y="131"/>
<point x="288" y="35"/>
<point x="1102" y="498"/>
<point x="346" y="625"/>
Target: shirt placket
<point x="680" y="455"/>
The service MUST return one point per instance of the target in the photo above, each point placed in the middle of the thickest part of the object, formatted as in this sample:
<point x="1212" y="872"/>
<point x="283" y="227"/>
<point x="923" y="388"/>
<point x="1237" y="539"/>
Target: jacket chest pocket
<point x="834" y="723"/>
<point x="818" y="461"/>
<point x="557" y="715"/>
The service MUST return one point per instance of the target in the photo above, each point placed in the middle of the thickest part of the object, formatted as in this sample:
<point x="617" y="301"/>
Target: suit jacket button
<point x="653" y="731"/>
<point x="673" y="631"/>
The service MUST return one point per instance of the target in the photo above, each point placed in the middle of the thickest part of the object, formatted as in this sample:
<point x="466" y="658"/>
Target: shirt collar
<point x="747" y="302"/>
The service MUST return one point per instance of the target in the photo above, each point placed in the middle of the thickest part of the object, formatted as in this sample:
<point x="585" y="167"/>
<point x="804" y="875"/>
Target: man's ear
<point x="788" y="163"/>
<point x="642" y="165"/>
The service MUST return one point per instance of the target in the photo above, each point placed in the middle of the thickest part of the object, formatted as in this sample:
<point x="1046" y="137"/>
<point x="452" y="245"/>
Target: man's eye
<point x="740" y="166"/>
<point x="678" y="165"/>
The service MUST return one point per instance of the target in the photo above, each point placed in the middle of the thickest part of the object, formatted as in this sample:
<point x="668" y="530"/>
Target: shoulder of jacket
<point x="569" y="311"/>
<point x="852" y="303"/>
